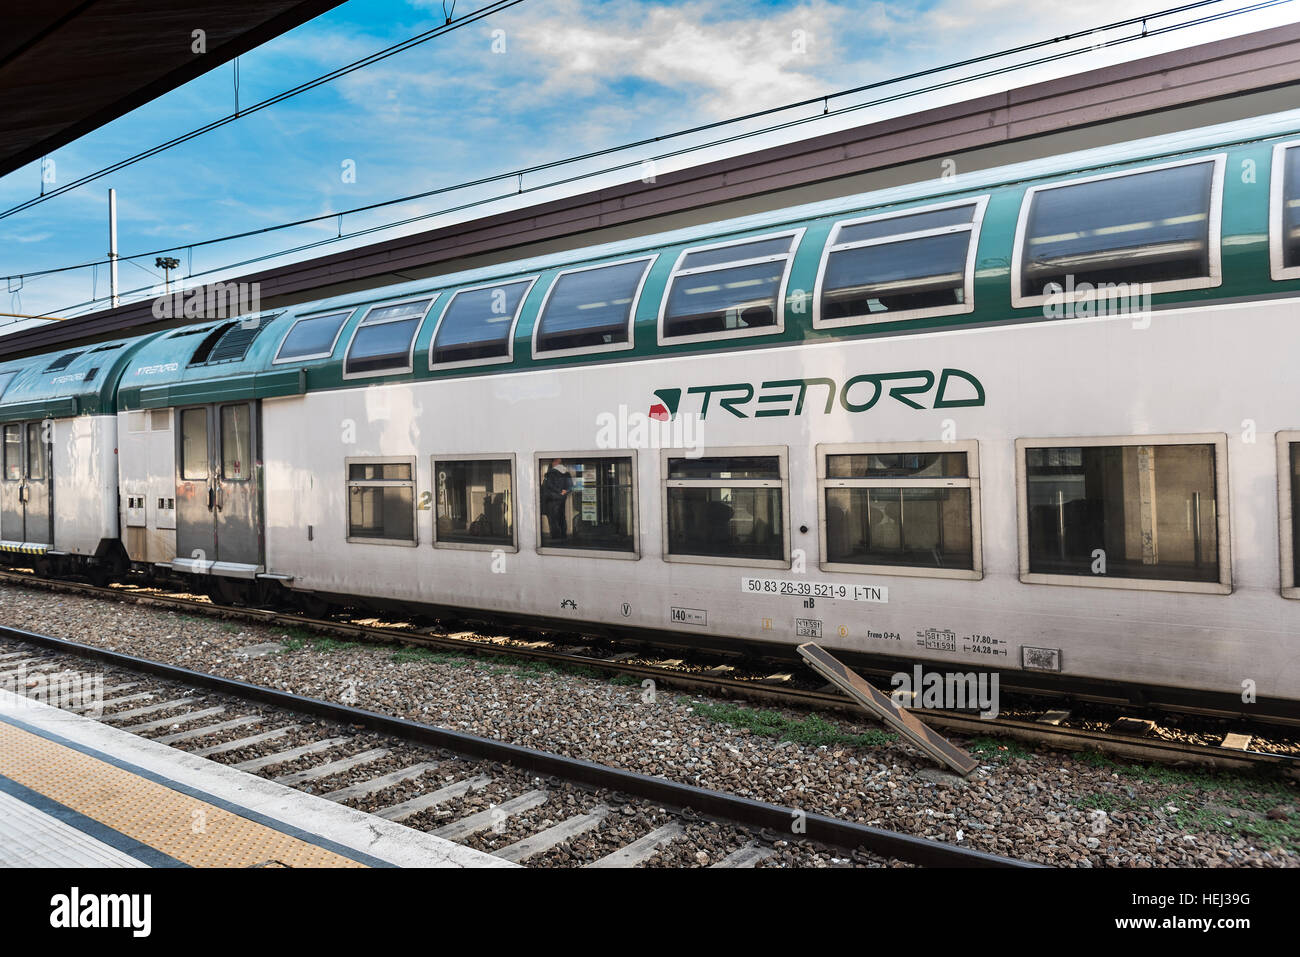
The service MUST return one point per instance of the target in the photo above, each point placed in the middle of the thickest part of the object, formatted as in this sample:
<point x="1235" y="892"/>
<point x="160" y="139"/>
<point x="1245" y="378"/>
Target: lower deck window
<point x="381" y="502"/>
<point x="475" y="501"/>
<point x="586" y="503"/>
<point x="13" y="453"/>
<point x="726" y="507"/>
<point x="1126" y="511"/>
<point x="35" y="453"/>
<point x="900" y="508"/>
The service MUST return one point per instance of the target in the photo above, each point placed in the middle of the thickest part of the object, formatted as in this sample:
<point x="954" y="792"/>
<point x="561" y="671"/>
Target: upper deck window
<point x="1157" y="227"/>
<point x="900" y="266"/>
<point x="731" y="289"/>
<point x="312" y="337"/>
<point x="590" y="309"/>
<point x="384" y="339"/>
<point x="1285" y="212"/>
<point x="477" y="325"/>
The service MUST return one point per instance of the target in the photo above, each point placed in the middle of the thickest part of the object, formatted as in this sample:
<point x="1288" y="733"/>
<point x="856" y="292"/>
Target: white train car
<point x="58" y="471"/>
<point x="1035" y="419"/>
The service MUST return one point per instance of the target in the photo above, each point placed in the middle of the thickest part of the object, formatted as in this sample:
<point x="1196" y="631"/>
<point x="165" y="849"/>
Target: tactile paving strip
<point x="183" y="827"/>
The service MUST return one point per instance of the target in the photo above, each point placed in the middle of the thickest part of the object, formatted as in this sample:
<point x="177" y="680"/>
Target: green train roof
<point x="217" y="360"/>
<point x="78" y="381"/>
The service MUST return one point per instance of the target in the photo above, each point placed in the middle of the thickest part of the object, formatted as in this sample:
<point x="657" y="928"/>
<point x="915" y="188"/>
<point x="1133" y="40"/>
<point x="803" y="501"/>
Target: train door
<point x="218" y="516"/>
<point x="38" y="520"/>
<point x="239" y="534"/>
<point x="196" y="529"/>
<point x="11" y="484"/>
<point x="26" y="486"/>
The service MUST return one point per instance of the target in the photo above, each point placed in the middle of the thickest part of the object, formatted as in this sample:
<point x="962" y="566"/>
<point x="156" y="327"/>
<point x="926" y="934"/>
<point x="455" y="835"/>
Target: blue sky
<point x="574" y="75"/>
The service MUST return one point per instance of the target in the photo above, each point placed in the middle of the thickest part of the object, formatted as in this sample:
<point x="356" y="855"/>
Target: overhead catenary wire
<point x="513" y="176"/>
<point x="515" y="192"/>
<point x="518" y="173"/>
<point x="495" y="7"/>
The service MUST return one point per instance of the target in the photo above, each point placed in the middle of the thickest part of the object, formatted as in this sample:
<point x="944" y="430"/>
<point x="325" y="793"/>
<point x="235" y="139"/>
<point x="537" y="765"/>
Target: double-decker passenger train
<point x="1038" y="419"/>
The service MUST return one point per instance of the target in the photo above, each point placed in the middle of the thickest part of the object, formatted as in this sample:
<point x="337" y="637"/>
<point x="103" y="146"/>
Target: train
<point x="1034" y="419"/>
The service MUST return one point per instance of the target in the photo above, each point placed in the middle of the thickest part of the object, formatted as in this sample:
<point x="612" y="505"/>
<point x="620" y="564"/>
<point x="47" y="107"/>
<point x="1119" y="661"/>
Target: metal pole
<point x="1060" y="522"/>
<point x="1196" y="528"/>
<point x="112" y="247"/>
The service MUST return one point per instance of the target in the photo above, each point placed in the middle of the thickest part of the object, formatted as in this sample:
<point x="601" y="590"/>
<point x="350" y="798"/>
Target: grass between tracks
<point x="813" y="730"/>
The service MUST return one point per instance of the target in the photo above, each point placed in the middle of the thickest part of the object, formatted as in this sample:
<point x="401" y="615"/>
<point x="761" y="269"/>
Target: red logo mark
<point x="659" y="411"/>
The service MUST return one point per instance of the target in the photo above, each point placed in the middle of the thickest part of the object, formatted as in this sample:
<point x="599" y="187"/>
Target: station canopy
<point x="67" y="67"/>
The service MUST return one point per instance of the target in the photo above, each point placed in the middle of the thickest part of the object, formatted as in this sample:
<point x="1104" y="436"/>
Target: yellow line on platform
<point x="186" y="828"/>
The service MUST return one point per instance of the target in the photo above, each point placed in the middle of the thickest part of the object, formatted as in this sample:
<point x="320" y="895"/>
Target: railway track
<point x="714" y="681"/>
<point x="543" y="808"/>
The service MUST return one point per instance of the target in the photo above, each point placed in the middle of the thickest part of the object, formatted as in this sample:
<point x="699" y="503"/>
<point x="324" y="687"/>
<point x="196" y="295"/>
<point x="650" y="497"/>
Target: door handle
<point x="22" y="493"/>
<point x="211" y="497"/>
<point x="221" y="496"/>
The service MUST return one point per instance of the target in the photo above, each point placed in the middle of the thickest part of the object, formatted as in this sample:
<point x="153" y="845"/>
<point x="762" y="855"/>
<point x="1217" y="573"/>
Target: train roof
<point x="241" y="358"/>
<point x="70" y="382"/>
<point x="212" y="361"/>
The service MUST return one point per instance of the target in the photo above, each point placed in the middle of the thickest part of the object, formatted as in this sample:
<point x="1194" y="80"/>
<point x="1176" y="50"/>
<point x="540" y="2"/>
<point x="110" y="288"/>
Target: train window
<point x="313" y="337"/>
<point x="1157" y="227"/>
<point x="726" y="508"/>
<point x="728" y="290"/>
<point x="384" y="338"/>
<point x="477" y="325"/>
<point x="910" y="509"/>
<point x="586" y="502"/>
<point x="900" y="266"/>
<point x="137" y="422"/>
<point x="13" y="453"/>
<point x="236" y="441"/>
<point x="160" y="420"/>
<point x="1285" y="212"/>
<point x="381" y="501"/>
<point x="590" y="309"/>
<point x="474" y="502"/>
<point x="35" y="453"/>
<point x="194" y="444"/>
<point x="1142" y="510"/>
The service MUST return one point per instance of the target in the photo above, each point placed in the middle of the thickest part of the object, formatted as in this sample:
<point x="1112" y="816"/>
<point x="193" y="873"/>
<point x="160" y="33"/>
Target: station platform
<point x="78" y="793"/>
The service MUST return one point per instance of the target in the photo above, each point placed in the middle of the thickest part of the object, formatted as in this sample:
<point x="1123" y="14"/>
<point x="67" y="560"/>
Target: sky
<point x="539" y="82"/>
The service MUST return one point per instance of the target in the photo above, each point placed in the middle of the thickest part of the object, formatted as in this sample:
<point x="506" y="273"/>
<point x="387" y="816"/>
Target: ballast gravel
<point x="1046" y="806"/>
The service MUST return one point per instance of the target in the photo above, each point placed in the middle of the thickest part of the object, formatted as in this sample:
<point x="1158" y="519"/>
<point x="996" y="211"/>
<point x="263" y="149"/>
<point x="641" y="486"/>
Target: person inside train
<point x="556" y="485"/>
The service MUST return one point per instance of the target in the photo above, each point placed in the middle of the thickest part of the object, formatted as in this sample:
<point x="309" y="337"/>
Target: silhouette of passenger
<point x="556" y="485"/>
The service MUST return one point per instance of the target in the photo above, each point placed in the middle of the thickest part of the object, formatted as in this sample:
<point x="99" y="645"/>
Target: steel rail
<point x="1070" y="739"/>
<point x="732" y="808"/>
